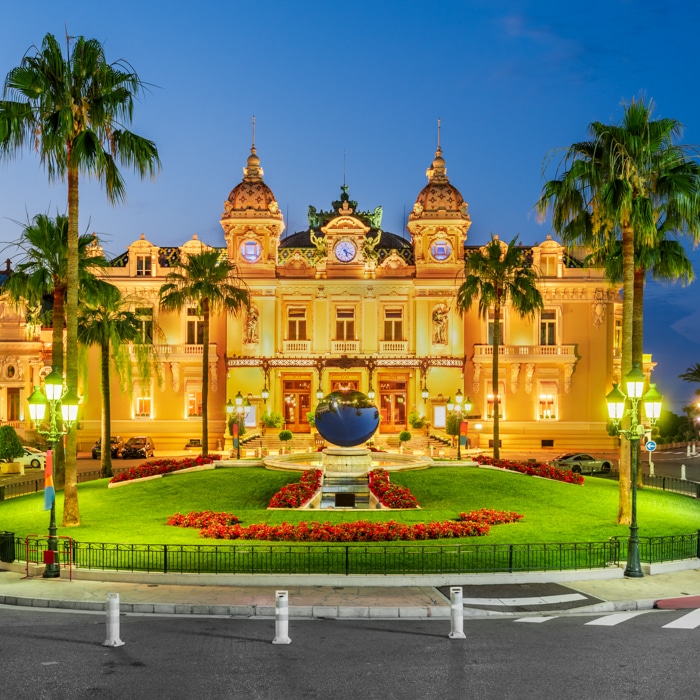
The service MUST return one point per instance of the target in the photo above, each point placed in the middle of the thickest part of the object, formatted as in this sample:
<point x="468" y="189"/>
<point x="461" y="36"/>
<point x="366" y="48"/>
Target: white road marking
<point x="537" y="600"/>
<point x="536" y="619"/>
<point x="686" y="622"/>
<point x="616" y="619"/>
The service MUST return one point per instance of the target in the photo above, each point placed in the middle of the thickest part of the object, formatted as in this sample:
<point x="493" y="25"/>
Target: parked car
<point x="32" y="458"/>
<point x="136" y="447"/>
<point x="582" y="463"/>
<point x="117" y="445"/>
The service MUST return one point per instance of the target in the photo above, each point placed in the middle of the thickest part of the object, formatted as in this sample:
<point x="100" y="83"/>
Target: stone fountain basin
<point x="347" y="461"/>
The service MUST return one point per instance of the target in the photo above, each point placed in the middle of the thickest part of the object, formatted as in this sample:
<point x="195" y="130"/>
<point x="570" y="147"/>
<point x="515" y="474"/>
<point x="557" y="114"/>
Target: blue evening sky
<point x="358" y="87"/>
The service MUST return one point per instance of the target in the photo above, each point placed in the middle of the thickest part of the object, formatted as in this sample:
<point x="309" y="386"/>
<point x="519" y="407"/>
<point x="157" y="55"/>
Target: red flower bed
<point x="297" y="494"/>
<point x="546" y="471"/>
<point x="358" y="531"/>
<point x="224" y="526"/>
<point x="490" y="517"/>
<point x="201" y="519"/>
<point x="388" y="494"/>
<point x="163" y="466"/>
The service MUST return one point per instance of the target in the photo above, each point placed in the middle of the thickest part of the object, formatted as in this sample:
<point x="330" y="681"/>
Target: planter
<point x="12" y="468"/>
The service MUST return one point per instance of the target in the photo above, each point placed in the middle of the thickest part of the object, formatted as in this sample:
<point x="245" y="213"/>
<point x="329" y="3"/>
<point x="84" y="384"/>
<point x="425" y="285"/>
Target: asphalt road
<point x="668" y="463"/>
<point x="59" y="655"/>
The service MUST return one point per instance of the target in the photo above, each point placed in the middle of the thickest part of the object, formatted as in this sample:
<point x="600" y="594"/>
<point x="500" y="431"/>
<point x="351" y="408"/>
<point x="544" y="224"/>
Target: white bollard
<point x="651" y="468"/>
<point x="687" y="452"/>
<point x="456" y="613"/>
<point x="113" y="621"/>
<point x="683" y="472"/>
<point x="693" y="451"/>
<point x="281" y="618"/>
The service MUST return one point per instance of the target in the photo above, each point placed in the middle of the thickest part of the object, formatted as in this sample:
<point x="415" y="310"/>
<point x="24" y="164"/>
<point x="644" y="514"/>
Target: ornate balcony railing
<point x="296" y="346"/>
<point x="168" y="350"/>
<point x="345" y="346"/>
<point x="520" y="350"/>
<point x="393" y="347"/>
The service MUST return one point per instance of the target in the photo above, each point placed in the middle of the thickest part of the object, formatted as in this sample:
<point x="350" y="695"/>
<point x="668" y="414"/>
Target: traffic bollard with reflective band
<point x="456" y="613"/>
<point x="281" y="618"/>
<point x="113" y="621"/>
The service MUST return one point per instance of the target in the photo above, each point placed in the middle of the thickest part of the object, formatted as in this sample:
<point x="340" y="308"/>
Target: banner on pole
<point x="463" y="433"/>
<point x="49" y="492"/>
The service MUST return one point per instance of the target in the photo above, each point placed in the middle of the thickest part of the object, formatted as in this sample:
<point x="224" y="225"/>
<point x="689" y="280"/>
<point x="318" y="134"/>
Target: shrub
<point x="415" y="420"/>
<point x="285" y="435"/>
<point x="545" y="471"/>
<point x="404" y="436"/>
<point x="272" y="420"/>
<point x="10" y="444"/>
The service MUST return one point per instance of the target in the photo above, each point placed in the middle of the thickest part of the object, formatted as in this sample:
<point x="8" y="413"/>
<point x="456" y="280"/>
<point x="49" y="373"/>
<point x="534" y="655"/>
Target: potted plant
<point x="404" y="436"/>
<point x="10" y="448"/>
<point x="311" y="418"/>
<point x="415" y="420"/>
<point x="271" y="420"/>
<point x="285" y="436"/>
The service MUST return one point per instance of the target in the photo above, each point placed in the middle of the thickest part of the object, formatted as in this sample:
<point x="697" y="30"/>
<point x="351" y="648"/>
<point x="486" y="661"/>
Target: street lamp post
<point x="238" y="398"/>
<point x="616" y="401"/>
<point x="459" y="406"/>
<point x="62" y="405"/>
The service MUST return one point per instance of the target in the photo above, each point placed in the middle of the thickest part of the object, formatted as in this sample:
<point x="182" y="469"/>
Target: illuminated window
<point x="548" y="265"/>
<point x="296" y="323"/>
<point x="491" y="400"/>
<point x="617" y="340"/>
<point x="393" y="324"/>
<point x="143" y="406"/>
<point x="195" y="327"/>
<point x="345" y="324"/>
<point x="194" y="400"/>
<point x="548" y="328"/>
<point x="144" y="316"/>
<point x="547" y="401"/>
<point x="143" y="265"/>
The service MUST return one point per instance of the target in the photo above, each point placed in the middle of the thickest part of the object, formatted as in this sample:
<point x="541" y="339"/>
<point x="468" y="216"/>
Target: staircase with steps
<point x="345" y="492"/>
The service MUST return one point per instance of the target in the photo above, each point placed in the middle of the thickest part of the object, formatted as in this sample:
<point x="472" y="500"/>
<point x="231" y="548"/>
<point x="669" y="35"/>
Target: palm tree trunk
<point x="58" y="321"/>
<point x="205" y="380"/>
<point x="624" y="513"/>
<point x="71" y="511"/>
<point x="494" y="380"/>
<point x="106" y="467"/>
<point x="638" y="334"/>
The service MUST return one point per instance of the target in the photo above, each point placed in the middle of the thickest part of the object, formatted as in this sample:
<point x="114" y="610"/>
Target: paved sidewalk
<point x="353" y="600"/>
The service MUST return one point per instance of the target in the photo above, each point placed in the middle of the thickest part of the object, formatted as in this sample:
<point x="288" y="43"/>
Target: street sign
<point x="651" y="446"/>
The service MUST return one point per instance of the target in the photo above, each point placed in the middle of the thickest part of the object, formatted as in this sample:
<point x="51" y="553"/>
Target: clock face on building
<point x="345" y="251"/>
<point x="250" y="250"/>
<point x="440" y="250"/>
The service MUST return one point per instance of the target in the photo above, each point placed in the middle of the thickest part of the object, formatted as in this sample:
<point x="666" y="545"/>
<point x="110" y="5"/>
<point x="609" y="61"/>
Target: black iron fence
<point x="329" y="559"/>
<point x="669" y="483"/>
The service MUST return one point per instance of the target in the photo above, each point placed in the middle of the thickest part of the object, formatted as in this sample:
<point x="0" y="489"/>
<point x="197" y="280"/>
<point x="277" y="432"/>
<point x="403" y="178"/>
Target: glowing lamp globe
<point x="347" y="418"/>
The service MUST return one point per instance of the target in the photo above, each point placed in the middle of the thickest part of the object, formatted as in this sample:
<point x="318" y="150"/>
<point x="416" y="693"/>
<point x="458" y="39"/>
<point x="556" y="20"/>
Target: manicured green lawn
<point x="554" y="511"/>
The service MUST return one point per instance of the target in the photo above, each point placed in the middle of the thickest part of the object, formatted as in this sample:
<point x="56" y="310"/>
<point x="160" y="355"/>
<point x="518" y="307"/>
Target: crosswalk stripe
<point x="616" y="619"/>
<point x="686" y="622"/>
<point x="536" y="619"/>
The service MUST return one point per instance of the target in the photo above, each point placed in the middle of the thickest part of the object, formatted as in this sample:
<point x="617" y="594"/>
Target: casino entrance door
<point x="297" y="403"/>
<point x="393" y="398"/>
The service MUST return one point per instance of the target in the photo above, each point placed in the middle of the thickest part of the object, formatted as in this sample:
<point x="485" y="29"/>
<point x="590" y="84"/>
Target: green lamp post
<point x="62" y="406"/>
<point x="616" y="401"/>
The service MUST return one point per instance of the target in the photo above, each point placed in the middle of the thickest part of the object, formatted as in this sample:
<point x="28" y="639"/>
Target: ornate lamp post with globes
<point x="616" y="401"/>
<point x="62" y="405"/>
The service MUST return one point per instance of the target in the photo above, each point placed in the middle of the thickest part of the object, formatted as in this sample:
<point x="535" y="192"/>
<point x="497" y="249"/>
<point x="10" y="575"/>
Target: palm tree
<point x="627" y="178"/>
<point x="73" y="109"/>
<point x="43" y="272"/>
<point x="209" y="282"/>
<point x="498" y="275"/>
<point x="104" y="320"/>
<point x="692" y="374"/>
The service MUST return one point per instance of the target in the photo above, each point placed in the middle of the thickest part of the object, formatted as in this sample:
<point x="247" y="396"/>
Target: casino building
<point x="347" y="304"/>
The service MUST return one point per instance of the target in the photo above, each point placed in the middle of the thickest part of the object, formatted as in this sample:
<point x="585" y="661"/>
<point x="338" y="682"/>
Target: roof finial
<point x="253" y="139"/>
<point x="253" y="171"/>
<point x="438" y="147"/>
<point x="344" y="169"/>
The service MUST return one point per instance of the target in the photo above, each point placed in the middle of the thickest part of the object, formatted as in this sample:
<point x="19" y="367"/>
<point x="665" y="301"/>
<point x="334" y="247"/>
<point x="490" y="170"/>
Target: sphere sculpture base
<point x="347" y="461"/>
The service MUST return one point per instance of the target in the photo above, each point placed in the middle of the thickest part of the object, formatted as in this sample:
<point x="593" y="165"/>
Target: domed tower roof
<point x="251" y="196"/>
<point x="439" y="199"/>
